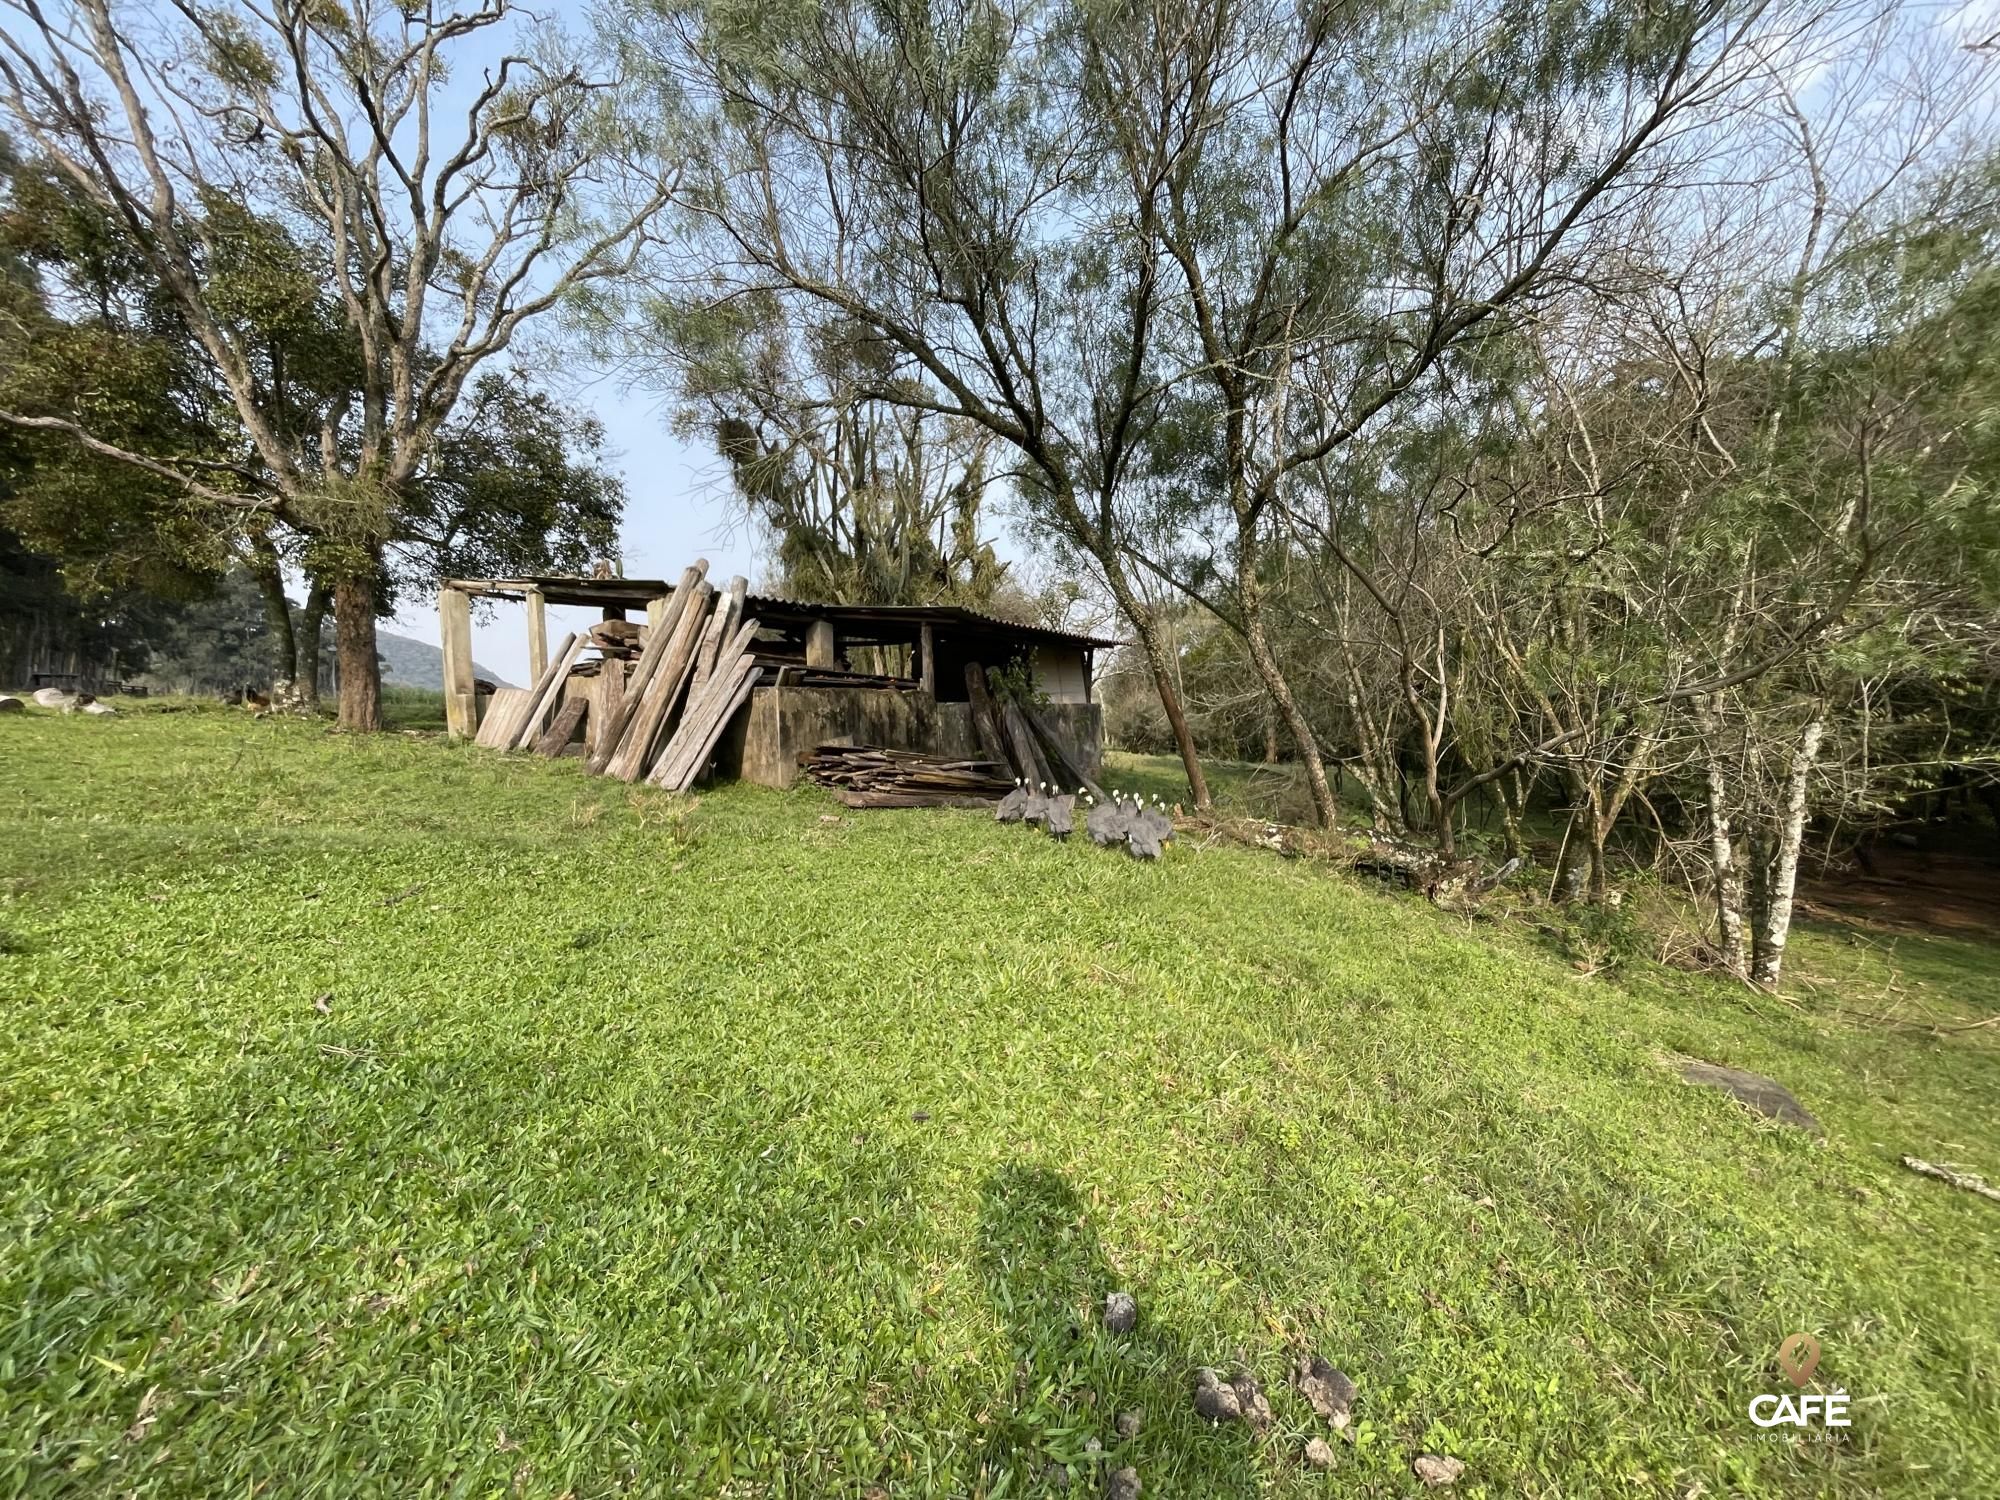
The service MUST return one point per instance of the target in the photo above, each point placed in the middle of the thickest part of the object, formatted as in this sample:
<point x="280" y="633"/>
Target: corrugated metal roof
<point x="633" y="593"/>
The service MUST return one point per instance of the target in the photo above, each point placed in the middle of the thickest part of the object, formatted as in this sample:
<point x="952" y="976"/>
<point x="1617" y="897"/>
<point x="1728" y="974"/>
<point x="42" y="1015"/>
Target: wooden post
<point x="461" y="706"/>
<point x="538" y="635"/>
<point x="819" y="644"/>
<point x="927" y="670"/>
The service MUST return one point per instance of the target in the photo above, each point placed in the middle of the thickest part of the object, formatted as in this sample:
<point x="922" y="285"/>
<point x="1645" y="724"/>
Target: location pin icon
<point x="1798" y="1357"/>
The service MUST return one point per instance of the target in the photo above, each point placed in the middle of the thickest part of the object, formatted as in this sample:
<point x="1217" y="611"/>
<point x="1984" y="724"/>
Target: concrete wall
<point x="762" y="745"/>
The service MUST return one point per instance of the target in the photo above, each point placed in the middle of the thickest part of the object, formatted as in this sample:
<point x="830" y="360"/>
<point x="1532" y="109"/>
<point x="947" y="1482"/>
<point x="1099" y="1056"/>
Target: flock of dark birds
<point x="1143" y="829"/>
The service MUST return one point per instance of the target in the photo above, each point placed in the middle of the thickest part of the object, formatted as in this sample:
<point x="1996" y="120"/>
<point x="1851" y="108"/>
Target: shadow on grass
<point x="1047" y="1276"/>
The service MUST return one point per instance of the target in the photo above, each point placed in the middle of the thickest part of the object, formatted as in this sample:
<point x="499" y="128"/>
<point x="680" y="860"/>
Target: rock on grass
<point x="1250" y="1397"/>
<point x="1214" y="1400"/>
<point x="1121" y="1312"/>
<point x="1326" y="1389"/>
<point x="1438" y="1472"/>
<point x="1319" y="1454"/>
<point x="1122" y="1485"/>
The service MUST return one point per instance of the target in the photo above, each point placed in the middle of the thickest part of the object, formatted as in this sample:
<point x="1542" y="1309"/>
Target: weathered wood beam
<point x="538" y="635"/>
<point x="461" y="702"/>
<point x="820" y="644"/>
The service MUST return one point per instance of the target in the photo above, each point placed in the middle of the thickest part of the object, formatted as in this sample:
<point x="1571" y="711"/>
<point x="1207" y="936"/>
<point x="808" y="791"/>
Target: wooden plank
<point x="683" y="598"/>
<point x="538" y="635"/>
<point x="927" y="670"/>
<point x="635" y="746"/>
<point x="985" y="721"/>
<point x="562" y="729"/>
<point x="461" y="702"/>
<point x="705" y="751"/>
<point x="703" y="705"/>
<point x="508" y="734"/>
<point x="502" y="706"/>
<point x="551" y="691"/>
<point x="1058" y="757"/>
<point x="728" y="610"/>
<point x="701" y="745"/>
<point x="1026" y="754"/>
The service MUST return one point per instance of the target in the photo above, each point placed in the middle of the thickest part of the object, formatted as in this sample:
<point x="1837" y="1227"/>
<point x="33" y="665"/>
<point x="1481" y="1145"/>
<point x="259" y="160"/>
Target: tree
<point x="868" y="502"/>
<point x="438" y="245"/>
<point x="905" y="169"/>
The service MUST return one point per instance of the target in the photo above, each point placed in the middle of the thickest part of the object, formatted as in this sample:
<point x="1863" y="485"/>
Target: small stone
<point x="1319" y="1454"/>
<point x="1121" y="1312"/>
<point x="323" y="1003"/>
<point x="1438" y="1472"/>
<point x="1123" y="1485"/>
<point x="1250" y="1396"/>
<point x="1130" y="1422"/>
<point x="1326" y="1389"/>
<point x="1057" y="1475"/>
<point x="920" y="1115"/>
<point x="1093" y="1446"/>
<point x="1214" y="1400"/>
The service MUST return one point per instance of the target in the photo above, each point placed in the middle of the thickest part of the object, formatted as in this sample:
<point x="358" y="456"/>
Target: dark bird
<point x="1060" y="821"/>
<point x="1157" y="821"/>
<point x="1142" y="832"/>
<point x="1013" y="804"/>
<point x="1104" y="823"/>
<point x="1037" y="805"/>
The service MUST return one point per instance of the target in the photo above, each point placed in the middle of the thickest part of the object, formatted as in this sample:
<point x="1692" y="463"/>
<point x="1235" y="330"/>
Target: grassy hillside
<point x="743" y="1146"/>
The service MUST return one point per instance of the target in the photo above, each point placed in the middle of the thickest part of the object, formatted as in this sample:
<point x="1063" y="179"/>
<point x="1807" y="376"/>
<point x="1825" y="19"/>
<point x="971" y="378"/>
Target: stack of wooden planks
<point x="656" y="710"/>
<point x="870" y="776"/>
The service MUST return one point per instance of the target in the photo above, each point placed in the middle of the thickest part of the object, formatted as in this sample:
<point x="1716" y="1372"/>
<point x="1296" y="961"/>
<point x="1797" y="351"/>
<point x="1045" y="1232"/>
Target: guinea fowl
<point x="1158" y="820"/>
<point x="1013" y="804"/>
<point x="1105" y="823"/>
<point x="1060" y="820"/>
<point x="1144" y="836"/>
<point x="1036" y="808"/>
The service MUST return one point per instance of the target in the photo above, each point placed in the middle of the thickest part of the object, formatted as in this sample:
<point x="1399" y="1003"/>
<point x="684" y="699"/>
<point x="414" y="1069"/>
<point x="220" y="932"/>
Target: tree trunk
<point x="1324" y="806"/>
<point x="1170" y="703"/>
<point x="354" y="653"/>
<point x="1782" y="881"/>
<point x="305" y="669"/>
<point x="277" y="613"/>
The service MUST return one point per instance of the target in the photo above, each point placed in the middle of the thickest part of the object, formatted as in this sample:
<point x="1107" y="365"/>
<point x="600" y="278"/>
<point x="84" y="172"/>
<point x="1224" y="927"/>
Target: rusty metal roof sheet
<point x="635" y="593"/>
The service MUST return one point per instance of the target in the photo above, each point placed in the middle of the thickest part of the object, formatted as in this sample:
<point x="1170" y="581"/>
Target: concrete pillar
<point x="819" y="644"/>
<point x="538" y="635"/>
<point x="461" y="704"/>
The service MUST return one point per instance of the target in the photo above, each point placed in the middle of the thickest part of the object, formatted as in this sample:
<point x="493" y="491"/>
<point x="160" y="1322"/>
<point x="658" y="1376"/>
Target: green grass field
<point x="746" y="1147"/>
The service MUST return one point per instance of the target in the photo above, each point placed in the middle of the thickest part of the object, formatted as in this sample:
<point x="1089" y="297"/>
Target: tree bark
<point x="1782" y="881"/>
<point x="1324" y="806"/>
<point x="277" y="613"/>
<point x="305" y="670"/>
<point x="1170" y="704"/>
<point x="354" y="652"/>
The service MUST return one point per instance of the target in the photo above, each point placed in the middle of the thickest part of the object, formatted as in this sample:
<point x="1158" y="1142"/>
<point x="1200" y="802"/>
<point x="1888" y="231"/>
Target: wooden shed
<point x="893" y="676"/>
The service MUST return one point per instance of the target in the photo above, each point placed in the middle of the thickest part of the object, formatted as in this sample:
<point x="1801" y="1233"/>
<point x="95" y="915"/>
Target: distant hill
<point x="408" y="662"/>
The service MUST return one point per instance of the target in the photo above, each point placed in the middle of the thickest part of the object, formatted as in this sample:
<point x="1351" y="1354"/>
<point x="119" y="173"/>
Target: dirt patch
<point x="1911" y="890"/>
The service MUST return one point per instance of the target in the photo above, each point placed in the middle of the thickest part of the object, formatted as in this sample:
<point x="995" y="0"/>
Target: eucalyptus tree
<point x="440" y="214"/>
<point x="867" y="501"/>
<point x="922" y="171"/>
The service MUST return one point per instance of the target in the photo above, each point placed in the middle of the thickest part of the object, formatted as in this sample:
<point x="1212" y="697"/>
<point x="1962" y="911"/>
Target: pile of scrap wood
<point x="656" y="703"/>
<point x="869" y="776"/>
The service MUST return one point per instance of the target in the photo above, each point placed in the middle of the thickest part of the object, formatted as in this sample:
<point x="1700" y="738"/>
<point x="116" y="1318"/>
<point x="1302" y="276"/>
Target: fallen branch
<point x="1971" y="1182"/>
